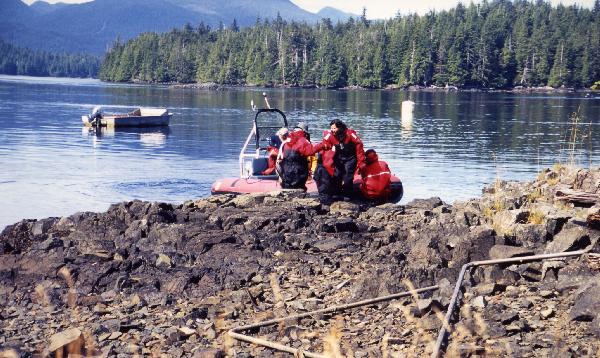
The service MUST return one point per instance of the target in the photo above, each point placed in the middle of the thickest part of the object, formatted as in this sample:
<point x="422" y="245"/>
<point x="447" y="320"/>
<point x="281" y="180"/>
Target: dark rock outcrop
<point x="177" y="277"/>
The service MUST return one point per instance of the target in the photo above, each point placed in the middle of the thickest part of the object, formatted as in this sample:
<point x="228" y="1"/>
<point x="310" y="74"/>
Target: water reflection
<point x="133" y="137"/>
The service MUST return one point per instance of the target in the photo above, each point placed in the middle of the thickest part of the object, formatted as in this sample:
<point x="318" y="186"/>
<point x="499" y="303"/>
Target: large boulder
<point x="570" y="239"/>
<point x="587" y="304"/>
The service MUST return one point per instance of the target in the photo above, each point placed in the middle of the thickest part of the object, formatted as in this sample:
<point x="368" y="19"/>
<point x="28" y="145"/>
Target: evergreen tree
<point x="498" y="43"/>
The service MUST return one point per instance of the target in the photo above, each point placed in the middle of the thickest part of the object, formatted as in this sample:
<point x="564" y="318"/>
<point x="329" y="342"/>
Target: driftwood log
<point x="582" y="198"/>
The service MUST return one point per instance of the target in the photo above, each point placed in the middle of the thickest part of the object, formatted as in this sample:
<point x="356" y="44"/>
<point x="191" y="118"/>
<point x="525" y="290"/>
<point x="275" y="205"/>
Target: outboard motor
<point x="95" y="116"/>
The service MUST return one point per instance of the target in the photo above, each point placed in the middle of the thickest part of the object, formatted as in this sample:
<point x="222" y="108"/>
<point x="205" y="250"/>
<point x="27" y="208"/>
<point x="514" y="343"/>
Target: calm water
<point x="454" y="145"/>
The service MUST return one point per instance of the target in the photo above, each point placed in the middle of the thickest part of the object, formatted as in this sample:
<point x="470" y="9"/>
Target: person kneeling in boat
<point x="376" y="178"/>
<point x="293" y="159"/>
<point x="273" y="152"/>
<point x="312" y="160"/>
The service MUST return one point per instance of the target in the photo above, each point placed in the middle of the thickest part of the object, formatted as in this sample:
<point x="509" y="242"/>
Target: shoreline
<point x="151" y="278"/>
<point x="415" y="88"/>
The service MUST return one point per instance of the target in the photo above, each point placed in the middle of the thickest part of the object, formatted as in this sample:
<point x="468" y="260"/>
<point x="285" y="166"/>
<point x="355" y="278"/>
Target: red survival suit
<point x="335" y="174"/>
<point x="376" y="178"/>
<point x="272" y="160"/>
<point x="293" y="160"/>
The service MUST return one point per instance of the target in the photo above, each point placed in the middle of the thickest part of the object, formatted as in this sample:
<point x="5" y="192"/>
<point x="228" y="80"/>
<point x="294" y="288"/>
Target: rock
<point x="595" y="327"/>
<point x="526" y="304"/>
<point x="209" y="353"/>
<point x="487" y="289"/>
<point x="210" y="333"/>
<point x="424" y="304"/>
<point x="505" y="251"/>
<point x="186" y="331"/>
<point x="528" y="235"/>
<point x="173" y="334"/>
<point x="222" y="252"/>
<point x="506" y="220"/>
<point x="500" y="276"/>
<point x="427" y="204"/>
<point x="309" y="203"/>
<point x="575" y="238"/>
<point x="111" y="325"/>
<point x="66" y="339"/>
<point x="508" y="316"/>
<point x="547" y="313"/>
<point x="587" y="304"/>
<point x="345" y="225"/>
<point x="163" y="261"/>
<point x="555" y="224"/>
<point x="248" y="200"/>
<point x="114" y="335"/>
<point x="430" y="323"/>
<point x="41" y="227"/>
<point x="517" y="326"/>
<point x="479" y="302"/>
<point x="344" y="208"/>
<point x="593" y="220"/>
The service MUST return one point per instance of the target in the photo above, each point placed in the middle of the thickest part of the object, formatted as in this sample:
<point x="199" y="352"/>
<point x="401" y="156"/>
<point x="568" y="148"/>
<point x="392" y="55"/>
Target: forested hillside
<point x="495" y="44"/>
<point x="21" y="61"/>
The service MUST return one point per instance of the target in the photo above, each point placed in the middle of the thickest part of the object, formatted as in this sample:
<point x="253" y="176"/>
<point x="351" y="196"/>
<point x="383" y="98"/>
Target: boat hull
<point x="268" y="184"/>
<point x="130" y="121"/>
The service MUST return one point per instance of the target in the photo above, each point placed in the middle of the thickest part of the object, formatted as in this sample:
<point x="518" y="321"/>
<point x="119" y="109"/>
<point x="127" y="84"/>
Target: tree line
<point x="495" y="44"/>
<point x="22" y="61"/>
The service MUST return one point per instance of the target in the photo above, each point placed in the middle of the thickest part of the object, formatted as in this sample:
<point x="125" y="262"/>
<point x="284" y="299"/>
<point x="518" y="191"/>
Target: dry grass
<point x="331" y="342"/>
<point x="536" y="217"/>
<point x="574" y="136"/>
<point x="534" y="195"/>
<point x="9" y="353"/>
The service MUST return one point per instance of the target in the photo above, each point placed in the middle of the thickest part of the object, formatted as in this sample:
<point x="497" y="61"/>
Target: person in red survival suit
<point x="273" y="151"/>
<point x="293" y="161"/>
<point x="335" y="172"/>
<point x="376" y="178"/>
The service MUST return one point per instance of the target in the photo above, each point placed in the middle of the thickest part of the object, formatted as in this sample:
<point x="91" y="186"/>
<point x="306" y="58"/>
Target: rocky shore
<point x="212" y="86"/>
<point x="164" y="280"/>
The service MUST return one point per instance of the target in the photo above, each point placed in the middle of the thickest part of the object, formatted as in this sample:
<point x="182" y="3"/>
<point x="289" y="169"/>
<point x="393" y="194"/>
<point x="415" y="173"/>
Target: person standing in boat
<point x="335" y="173"/>
<point x="293" y="159"/>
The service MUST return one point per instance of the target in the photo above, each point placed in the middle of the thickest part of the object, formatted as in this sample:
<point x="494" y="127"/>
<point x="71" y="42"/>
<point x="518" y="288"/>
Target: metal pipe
<point x="266" y="100"/>
<point x="274" y="345"/>
<point x="442" y="334"/>
<point x="336" y="308"/>
<point x="243" y="151"/>
<point x="234" y="333"/>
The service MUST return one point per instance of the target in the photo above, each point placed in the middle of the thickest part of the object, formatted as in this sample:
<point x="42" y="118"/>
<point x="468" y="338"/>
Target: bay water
<point x="451" y="146"/>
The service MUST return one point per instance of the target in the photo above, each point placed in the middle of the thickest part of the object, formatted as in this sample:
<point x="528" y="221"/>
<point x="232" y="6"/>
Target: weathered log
<point x="580" y="197"/>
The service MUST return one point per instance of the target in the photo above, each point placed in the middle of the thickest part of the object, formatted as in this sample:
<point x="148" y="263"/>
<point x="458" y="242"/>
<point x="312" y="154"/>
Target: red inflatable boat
<point x="253" y="161"/>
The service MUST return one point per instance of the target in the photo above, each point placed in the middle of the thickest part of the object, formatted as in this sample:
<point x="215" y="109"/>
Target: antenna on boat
<point x="266" y="100"/>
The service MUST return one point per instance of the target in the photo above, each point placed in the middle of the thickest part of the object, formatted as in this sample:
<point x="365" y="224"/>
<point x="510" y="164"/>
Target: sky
<point x="377" y="9"/>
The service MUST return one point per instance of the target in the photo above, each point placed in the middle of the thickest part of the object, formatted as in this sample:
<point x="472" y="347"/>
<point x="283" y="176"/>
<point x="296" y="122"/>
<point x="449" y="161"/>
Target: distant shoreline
<point x="211" y="86"/>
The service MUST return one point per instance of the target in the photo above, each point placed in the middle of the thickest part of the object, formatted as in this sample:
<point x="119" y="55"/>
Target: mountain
<point x="334" y="14"/>
<point x="14" y="11"/>
<point x="42" y="7"/>
<point x="247" y="11"/>
<point x="94" y="26"/>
